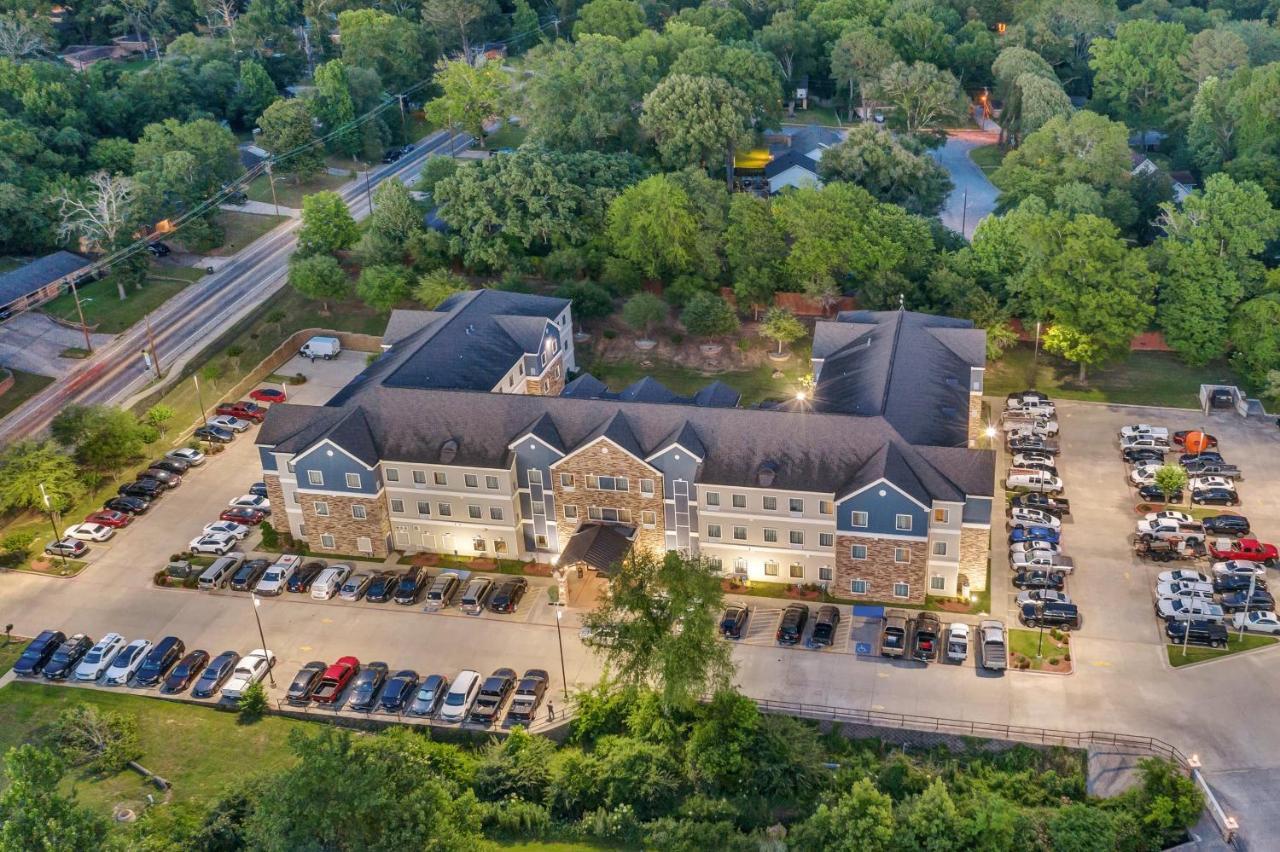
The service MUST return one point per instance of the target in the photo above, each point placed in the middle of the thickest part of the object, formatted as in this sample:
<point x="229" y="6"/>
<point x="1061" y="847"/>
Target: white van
<point x="217" y="574"/>
<point x="461" y="693"/>
<point x="321" y="347"/>
<point x="330" y="581"/>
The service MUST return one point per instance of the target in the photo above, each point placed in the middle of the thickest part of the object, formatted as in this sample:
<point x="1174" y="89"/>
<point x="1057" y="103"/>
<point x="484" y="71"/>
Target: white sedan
<point x="1203" y="591"/>
<point x="1145" y="473"/>
<point x="252" y="668"/>
<point x="1182" y="575"/>
<point x="1258" y="621"/>
<point x="217" y="543"/>
<point x="1029" y="546"/>
<point x="1201" y="482"/>
<point x="252" y="501"/>
<point x="99" y="658"/>
<point x="1032" y="518"/>
<point x="1170" y="515"/>
<point x="240" y="531"/>
<point x="1239" y="568"/>
<point x="186" y="454"/>
<point x="90" y="532"/>
<point x="226" y="421"/>
<point x="127" y="662"/>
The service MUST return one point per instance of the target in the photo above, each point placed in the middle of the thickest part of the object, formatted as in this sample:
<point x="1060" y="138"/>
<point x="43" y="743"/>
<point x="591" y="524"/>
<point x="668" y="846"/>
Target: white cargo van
<point x="217" y="574"/>
<point x="321" y="347"/>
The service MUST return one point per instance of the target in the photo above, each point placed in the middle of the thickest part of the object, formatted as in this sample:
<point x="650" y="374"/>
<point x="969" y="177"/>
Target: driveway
<point x="324" y="378"/>
<point x="32" y="342"/>
<point x="974" y="197"/>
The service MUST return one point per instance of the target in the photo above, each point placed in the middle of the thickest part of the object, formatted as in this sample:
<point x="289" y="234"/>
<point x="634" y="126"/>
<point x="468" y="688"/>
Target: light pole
<point x="559" y="641"/>
<point x="1244" y="619"/>
<point x="204" y="417"/>
<point x="257" y="602"/>
<point x="57" y="536"/>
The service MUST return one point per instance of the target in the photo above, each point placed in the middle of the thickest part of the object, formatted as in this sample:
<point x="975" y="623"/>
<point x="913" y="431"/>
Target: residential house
<point x="35" y="283"/>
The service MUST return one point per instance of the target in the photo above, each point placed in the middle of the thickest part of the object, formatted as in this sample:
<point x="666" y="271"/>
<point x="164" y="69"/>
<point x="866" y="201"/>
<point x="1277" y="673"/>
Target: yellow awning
<point x="756" y="158"/>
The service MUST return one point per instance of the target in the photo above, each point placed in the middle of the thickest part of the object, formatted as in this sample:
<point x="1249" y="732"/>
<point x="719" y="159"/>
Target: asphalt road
<point x="202" y="311"/>
<point x="974" y="197"/>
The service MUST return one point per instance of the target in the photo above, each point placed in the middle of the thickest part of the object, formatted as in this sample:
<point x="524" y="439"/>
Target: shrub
<point x="685" y="288"/>
<point x="1053" y="661"/>
<point x="15" y="547"/>
<point x="513" y="282"/>
<point x="438" y="285"/>
<point x="253" y="703"/>
<point x="618" y="824"/>
<point x="563" y="264"/>
<point x="103" y="741"/>
<point x="642" y="311"/>
<point x="515" y="818"/>
<point x="270" y="538"/>
<point x="590" y="301"/>
<point x="608" y="334"/>
<point x="708" y="315"/>
<point x="622" y="277"/>
<point x="235" y="350"/>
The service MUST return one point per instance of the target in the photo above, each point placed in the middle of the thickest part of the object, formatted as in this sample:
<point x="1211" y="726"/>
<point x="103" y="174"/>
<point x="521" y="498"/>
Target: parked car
<point x="252" y="668"/>
<point x="128" y="505"/>
<point x="268" y="395"/>
<point x="214" y="434"/>
<point x="1180" y="438"/>
<point x="215" y="675"/>
<point x="1260" y="599"/>
<point x="1056" y="506"/>
<point x="1144" y="474"/>
<point x="146" y="489"/>
<point x="239" y="531"/>
<point x="1180" y="589"/>
<point x="410" y="584"/>
<point x="99" y="658"/>
<point x="1021" y="443"/>
<point x="1063" y="616"/>
<point x="1182" y="575"/>
<point x="1143" y="429"/>
<point x="1042" y="596"/>
<point x="354" y="587"/>
<point x="276" y="577"/>
<point x="190" y="455"/>
<point x="1244" y="548"/>
<point x="431" y="691"/>
<point x="1030" y="457"/>
<point x="188" y="669"/>
<point x="231" y="424"/>
<point x="177" y="466"/>
<point x="925" y="637"/>
<point x="893" y="633"/>
<point x="258" y="489"/>
<point x="252" y="501"/>
<point x="1028" y="479"/>
<point x="1201" y="483"/>
<point x="457" y="702"/>
<point x="160" y="659"/>
<point x="1226" y="525"/>
<point x="1034" y="534"/>
<point x="1204" y="467"/>
<point x="89" y="532"/>
<point x="1152" y="493"/>
<point x="382" y="587"/>
<point x="243" y="515"/>
<point x="1257" y="621"/>
<point x="166" y="478"/>
<point x="1137" y="455"/>
<point x="248" y="574"/>
<point x="476" y="595"/>
<point x="1166" y="529"/>
<point x="995" y="651"/>
<point x="492" y="695"/>
<point x="1042" y="560"/>
<point x="734" y="621"/>
<point x="65" y="658"/>
<point x="443" y="590"/>
<point x="528" y="696"/>
<point x="1214" y="496"/>
<point x="219" y="544"/>
<point x="366" y="685"/>
<point x="38" y="652"/>
<point x="304" y="683"/>
<point x="958" y="642"/>
<point x="300" y="581"/>
<point x="1229" y="583"/>
<point x="334" y="679"/>
<point x="1240" y="568"/>
<point x="1055" y="580"/>
<point x="791" y="627"/>
<point x="508" y="595"/>
<point x="398" y="691"/>
<point x="1186" y="608"/>
<point x="109" y="518"/>
<point x="825" y="627"/>
<point x="1197" y="632"/>
<point x="1031" y="547"/>
<point x="330" y="581"/>
<point x="126" y="663"/>
<point x="1144" y="441"/>
<point x="67" y="547"/>
<point x="1032" y="518"/>
<point x="158" y="249"/>
<point x="244" y="410"/>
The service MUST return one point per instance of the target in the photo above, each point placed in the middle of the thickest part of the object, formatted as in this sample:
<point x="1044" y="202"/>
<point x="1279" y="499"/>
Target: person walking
<point x="551" y="712"/>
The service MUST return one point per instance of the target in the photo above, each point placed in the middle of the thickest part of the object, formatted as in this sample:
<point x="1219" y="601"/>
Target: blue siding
<point x="532" y="454"/>
<point x="977" y="510"/>
<point x="882" y="512"/>
<point x="335" y="469"/>
<point x="265" y="455"/>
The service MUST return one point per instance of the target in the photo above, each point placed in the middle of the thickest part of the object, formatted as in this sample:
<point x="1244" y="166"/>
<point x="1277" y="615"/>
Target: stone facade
<point x="344" y="528"/>
<point x="550" y="383"/>
<point x="278" y="518"/>
<point x="975" y="418"/>
<point x="879" y="568"/>
<point x="605" y="458"/>
<point x="975" y="551"/>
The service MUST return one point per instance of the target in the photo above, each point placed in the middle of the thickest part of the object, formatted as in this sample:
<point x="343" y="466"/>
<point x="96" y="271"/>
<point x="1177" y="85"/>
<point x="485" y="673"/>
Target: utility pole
<point x="57" y="536"/>
<point x="151" y="341"/>
<point x="964" y="211"/>
<point x="204" y="417"/>
<point x="271" y="179"/>
<point x="559" y="641"/>
<point x="257" y="602"/>
<point x="368" y="194"/>
<point x="84" y="327"/>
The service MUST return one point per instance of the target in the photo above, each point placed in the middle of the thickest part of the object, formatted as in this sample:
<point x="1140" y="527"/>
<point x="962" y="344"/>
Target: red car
<point x="1247" y="549"/>
<point x="109" y="518"/>
<point x="335" y="679"/>
<point x="242" y="515"/>
<point x="268" y="395"/>
<point x="244" y="410"/>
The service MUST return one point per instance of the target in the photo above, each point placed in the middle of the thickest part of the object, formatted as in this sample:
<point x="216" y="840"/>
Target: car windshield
<point x="272" y="574"/>
<point x="455" y="699"/>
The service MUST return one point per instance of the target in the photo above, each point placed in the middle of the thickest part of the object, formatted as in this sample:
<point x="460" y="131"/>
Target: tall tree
<point x="383" y="287"/>
<point x="391" y="46"/>
<point x="396" y="216"/>
<point x="694" y="120"/>
<point x="794" y="43"/>
<point x="1212" y="128"/>
<point x="327" y="225"/>
<point x="858" y="59"/>
<point x="1139" y="71"/>
<point x="453" y="21"/>
<point x="1214" y="53"/>
<point x="27" y="465"/>
<point x="755" y="247"/>
<point x="746" y="67"/>
<point x="469" y="95"/>
<point x="21" y="37"/>
<point x="34" y="814"/>
<point x="104" y="438"/>
<point x="334" y="107"/>
<point x="782" y="326"/>
<point x="287" y="130"/>
<point x="923" y="97"/>
<point x="1084" y="147"/>
<point x="254" y="93"/>
<point x="1230" y="220"/>
<point x="861" y="820"/>
<point x="890" y="170"/>
<point x="319" y="277"/>
<point x="652" y="224"/>
<point x="1255" y="337"/>
<point x="1198" y="292"/>
<point x="622" y="19"/>
<point x="102" y="216"/>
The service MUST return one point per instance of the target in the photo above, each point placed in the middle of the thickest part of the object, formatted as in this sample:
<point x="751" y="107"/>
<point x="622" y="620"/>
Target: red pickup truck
<point x="1248" y="549"/>
<point x="335" y="679"/>
<point x="243" y="410"/>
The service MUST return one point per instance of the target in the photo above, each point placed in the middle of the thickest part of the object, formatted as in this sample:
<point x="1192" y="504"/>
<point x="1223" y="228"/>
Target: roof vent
<point x="951" y="382"/>
<point x="449" y="451"/>
<point x="471" y="328"/>
<point x="765" y="474"/>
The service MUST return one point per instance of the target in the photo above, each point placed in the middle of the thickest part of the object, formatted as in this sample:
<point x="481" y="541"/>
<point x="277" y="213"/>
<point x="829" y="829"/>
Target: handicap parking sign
<point x="862" y="648"/>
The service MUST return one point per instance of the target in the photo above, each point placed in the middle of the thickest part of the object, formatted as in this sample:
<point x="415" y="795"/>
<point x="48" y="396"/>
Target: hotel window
<point x="471" y="480"/>
<point x="797" y="537"/>
<point x="770" y="535"/>
<point x="796" y="570"/>
<point x="858" y="519"/>
<point x="859" y="587"/>
<point x="397" y="505"/>
<point x="419" y="477"/>
<point x="364" y="544"/>
<point x="939" y="548"/>
<point x="478" y="545"/>
<point x="358" y="513"/>
<point x="535" y="477"/>
<point x="444" y="510"/>
<point x="713" y="530"/>
<point x="826" y="540"/>
<point x="796" y="504"/>
<point x="499" y="546"/>
<point x="824" y="507"/>
<point x="646" y="486"/>
<point x="353" y="480"/>
<point x="770" y="503"/>
<point x="491" y="482"/>
<point x="716" y="563"/>
<point x="739" y="501"/>
<point x="539" y="507"/>
<point x="441" y="478"/>
<point x="942" y="516"/>
<point x="902" y="523"/>
<point x="495" y="513"/>
<point x="392" y="474"/>
<point x="327" y="541"/>
<point x="321" y="507"/>
<point x="824" y="573"/>
<point x="649" y="519"/>
<point x="608" y="483"/>
<point x="424" y="508"/>
<point x="315" y="477"/>
<point x="770" y="568"/>
<point x="540" y="542"/>
<point x="570" y="513"/>
<point x="473" y="512"/>
<point x="901" y="590"/>
<point x="740" y="533"/>
<point x="858" y="551"/>
<point x="566" y="481"/>
<point x="297" y="498"/>
<point x="713" y="498"/>
<point x="901" y="555"/>
<point x="612" y="516"/>
<point x="739" y="565"/>
<point x="938" y="583"/>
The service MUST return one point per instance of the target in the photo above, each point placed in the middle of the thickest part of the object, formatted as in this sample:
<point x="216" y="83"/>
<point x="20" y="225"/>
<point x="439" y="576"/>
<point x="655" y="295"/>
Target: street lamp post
<point x="57" y="536"/>
<point x="204" y="417"/>
<point x="560" y="641"/>
<point x="257" y="602"/>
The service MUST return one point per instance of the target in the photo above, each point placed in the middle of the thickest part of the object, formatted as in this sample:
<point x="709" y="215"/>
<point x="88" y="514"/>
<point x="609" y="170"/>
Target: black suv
<point x="381" y="587"/>
<point x="508" y="595"/>
<point x="734" y="621"/>
<point x="1214" y="497"/>
<point x="366" y="684"/>
<point x="38" y="652"/>
<point x="305" y="682"/>
<point x="1151" y="493"/>
<point x="1211" y="633"/>
<point x="67" y="657"/>
<point x="493" y="692"/>
<point x="128" y="505"/>
<point x="163" y="656"/>
<point x="1133" y="455"/>
<point x="825" y="627"/>
<point x="791" y="627"/>
<point x="409" y="586"/>
<point x="1226" y="524"/>
<point x="1055" y="580"/>
<point x="1050" y="614"/>
<point x="300" y="581"/>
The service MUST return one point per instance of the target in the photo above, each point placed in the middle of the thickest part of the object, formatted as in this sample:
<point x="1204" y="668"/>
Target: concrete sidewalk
<point x="261" y="208"/>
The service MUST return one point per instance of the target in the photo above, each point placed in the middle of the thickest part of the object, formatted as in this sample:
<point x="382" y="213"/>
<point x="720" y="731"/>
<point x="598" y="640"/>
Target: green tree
<point x="469" y="95"/>
<point x="102" y="741"/>
<point x="253" y="703"/>
<point x="396" y="216"/>
<point x="1255" y="337"/>
<point x="1084" y="147"/>
<point x="720" y="752"/>
<point x="708" y="315"/>
<point x="890" y="170"/>
<point x="1212" y="126"/>
<point x="621" y="19"/>
<point x="1139" y="70"/>
<point x="524" y="26"/>
<point x="924" y="98"/>
<point x="334" y="107"/>
<point x="104" y="438"/>
<point x="1171" y="479"/>
<point x="327" y="225"/>
<point x="590" y="300"/>
<point x="1214" y="53"/>
<point x="383" y="287"/>
<point x="253" y="94"/>
<point x="695" y="120"/>
<point x="1010" y="72"/>
<point x="794" y="42"/>
<point x="652" y="224"/>
<point x="649" y="595"/>
<point x="515" y="767"/>
<point x="1198" y="292"/>
<point x="438" y="285"/>
<point x="434" y="170"/>
<point x="643" y="311"/>
<point x="748" y="69"/>
<point x="930" y="822"/>
<point x="861" y="820"/>
<point x="1166" y="803"/>
<point x="1231" y="220"/>
<point x="188" y="161"/>
<point x="286" y="128"/>
<point x="1079" y="827"/>
<point x="755" y="247"/>
<point x="393" y="47"/>
<point x="781" y="325"/>
<point x="33" y="812"/>
<point x="858" y="59"/>
<point x="25" y="465"/>
<point x="319" y="277"/>
<point x="158" y="417"/>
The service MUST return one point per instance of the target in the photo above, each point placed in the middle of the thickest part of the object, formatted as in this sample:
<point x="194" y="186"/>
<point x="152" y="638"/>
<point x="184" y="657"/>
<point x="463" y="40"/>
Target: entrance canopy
<point x="600" y="547"/>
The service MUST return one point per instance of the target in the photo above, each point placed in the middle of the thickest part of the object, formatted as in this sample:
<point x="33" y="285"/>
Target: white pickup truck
<point x="1025" y="479"/>
<point x="995" y="653"/>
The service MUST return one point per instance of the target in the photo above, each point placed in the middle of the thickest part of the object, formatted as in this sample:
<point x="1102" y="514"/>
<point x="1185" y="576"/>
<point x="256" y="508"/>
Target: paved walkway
<point x="974" y="197"/>
<point x="262" y="208"/>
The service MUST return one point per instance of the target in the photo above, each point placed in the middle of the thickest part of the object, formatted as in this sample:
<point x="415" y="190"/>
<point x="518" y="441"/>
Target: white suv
<point x="461" y="693"/>
<point x="99" y="658"/>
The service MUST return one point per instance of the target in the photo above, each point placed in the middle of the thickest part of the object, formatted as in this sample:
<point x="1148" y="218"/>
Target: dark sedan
<point x="1152" y="493"/>
<point x="1261" y="599"/>
<point x="410" y="584"/>
<point x="399" y="690"/>
<point x="67" y="657"/>
<point x="1055" y="580"/>
<point x="305" y="682"/>
<point x="215" y="434"/>
<point x="1134" y="455"/>
<point x="1226" y="525"/>
<point x="1214" y="497"/>
<point x="365" y="687"/>
<point x="248" y="574"/>
<point x="430" y="693"/>
<point x="185" y="672"/>
<point x="145" y="489"/>
<point x="177" y="466"/>
<point x="128" y="505"/>
<point x="215" y="675"/>
<point x="734" y="621"/>
<point x="382" y="587"/>
<point x="1225" y="584"/>
<point x="166" y="478"/>
<point x="508" y="595"/>
<point x="40" y="650"/>
<point x="1206" y="457"/>
<point x="300" y="581"/>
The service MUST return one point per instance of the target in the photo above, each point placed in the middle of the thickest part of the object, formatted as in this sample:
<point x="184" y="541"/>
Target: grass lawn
<point x="10" y="652"/>
<point x="1199" y="653"/>
<point x="1025" y="643"/>
<point x="25" y="386"/>
<point x="198" y="749"/>
<point x="418" y="126"/>
<point x="289" y="191"/>
<point x="987" y="157"/>
<point x="508" y="136"/>
<point x="815" y="115"/>
<point x="106" y="314"/>
<point x="754" y="385"/>
<point x="242" y="229"/>
<point x="1145" y="378"/>
<point x="760" y="589"/>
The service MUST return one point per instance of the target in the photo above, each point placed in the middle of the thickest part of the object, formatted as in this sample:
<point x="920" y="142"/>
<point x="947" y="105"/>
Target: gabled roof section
<point x="43" y="270"/>
<point x="526" y="332"/>
<point x="586" y="386"/>
<point x="889" y="464"/>
<point x="647" y="389"/>
<point x="686" y="436"/>
<point x="405" y="323"/>
<point x="618" y="430"/>
<point x="717" y="395"/>
<point x="352" y="434"/>
<point x="790" y="159"/>
<point x="544" y="429"/>
<point x="602" y="546"/>
<point x="830" y="336"/>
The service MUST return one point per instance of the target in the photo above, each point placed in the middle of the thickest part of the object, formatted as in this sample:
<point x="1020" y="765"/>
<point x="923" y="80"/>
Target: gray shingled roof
<point x="39" y="272"/>
<point x="403" y="323"/>
<point x="602" y="546"/>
